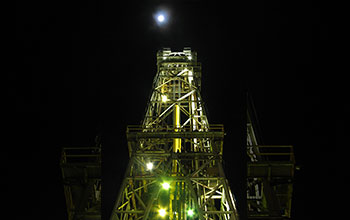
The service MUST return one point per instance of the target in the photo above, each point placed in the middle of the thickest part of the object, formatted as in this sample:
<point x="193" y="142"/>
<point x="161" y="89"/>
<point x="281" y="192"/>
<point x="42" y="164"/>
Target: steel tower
<point x="270" y="175"/>
<point x="175" y="169"/>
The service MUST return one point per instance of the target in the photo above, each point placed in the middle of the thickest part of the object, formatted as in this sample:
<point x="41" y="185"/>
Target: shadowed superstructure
<point x="270" y="174"/>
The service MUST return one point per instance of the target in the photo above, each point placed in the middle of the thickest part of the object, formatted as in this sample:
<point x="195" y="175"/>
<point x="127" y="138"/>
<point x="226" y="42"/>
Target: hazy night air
<point x="81" y="69"/>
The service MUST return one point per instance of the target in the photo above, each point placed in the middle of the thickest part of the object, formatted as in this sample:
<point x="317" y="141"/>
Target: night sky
<point x="81" y="69"/>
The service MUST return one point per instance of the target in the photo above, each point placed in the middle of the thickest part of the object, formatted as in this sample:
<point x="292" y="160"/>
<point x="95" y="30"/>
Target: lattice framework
<point x="183" y="148"/>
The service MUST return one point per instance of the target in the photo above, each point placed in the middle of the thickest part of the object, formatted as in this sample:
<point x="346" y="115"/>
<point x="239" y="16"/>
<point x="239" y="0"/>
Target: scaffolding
<point x="175" y="167"/>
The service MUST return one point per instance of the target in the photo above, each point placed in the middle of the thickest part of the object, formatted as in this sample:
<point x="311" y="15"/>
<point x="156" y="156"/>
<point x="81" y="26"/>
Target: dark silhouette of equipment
<point x="81" y="170"/>
<point x="270" y="174"/>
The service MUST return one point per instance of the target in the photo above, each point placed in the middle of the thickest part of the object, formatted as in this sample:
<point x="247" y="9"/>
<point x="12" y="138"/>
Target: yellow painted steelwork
<point x="176" y="149"/>
<point x="175" y="136"/>
<point x="177" y="124"/>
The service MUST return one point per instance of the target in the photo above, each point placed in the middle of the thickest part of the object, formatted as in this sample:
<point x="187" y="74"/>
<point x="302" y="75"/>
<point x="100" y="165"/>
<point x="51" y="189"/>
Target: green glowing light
<point x="165" y="185"/>
<point x="190" y="212"/>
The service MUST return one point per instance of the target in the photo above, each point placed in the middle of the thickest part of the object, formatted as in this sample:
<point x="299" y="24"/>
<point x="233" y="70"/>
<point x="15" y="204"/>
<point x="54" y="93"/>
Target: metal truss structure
<point x="175" y="167"/>
<point x="270" y="174"/>
<point x="81" y="170"/>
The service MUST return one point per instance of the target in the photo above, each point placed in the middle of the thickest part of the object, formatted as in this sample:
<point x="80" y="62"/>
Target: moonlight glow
<point x="161" y="17"/>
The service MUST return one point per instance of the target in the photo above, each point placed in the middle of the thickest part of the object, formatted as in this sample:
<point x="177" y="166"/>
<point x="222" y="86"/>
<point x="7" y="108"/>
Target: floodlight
<point x="190" y="212"/>
<point x="162" y="212"/>
<point x="149" y="166"/>
<point x="165" y="185"/>
<point x="164" y="98"/>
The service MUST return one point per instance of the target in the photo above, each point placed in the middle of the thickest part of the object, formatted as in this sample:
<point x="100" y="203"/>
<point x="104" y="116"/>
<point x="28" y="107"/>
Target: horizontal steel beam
<point x="178" y="155"/>
<point x="277" y="169"/>
<point x="218" y="212"/>
<point x="169" y="135"/>
<point x="130" y="211"/>
<point x="177" y="178"/>
<point x="272" y="146"/>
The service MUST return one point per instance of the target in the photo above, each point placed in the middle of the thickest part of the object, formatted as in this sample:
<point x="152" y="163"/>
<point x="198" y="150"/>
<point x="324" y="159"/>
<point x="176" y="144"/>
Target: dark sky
<point x="86" y="68"/>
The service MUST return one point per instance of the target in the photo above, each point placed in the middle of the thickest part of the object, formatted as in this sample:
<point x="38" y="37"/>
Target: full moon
<point x="160" y="18"/>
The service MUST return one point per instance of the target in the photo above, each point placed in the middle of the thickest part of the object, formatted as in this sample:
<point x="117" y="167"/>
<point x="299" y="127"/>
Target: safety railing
<point x="141" y="128"/>
<point x="274" y="152"/>
<point x="81" y="155"/>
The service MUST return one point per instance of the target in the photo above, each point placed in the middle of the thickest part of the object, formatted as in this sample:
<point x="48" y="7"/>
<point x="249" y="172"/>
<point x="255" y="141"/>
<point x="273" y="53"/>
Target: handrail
<point x="80" y="155"/>
<point x="141" y="128"/>
<point x="274" y="152"/>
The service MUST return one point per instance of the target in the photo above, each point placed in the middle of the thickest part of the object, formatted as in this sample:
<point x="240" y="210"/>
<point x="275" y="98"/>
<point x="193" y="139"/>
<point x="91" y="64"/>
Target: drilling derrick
<point x="270" y="175"/>
<point x="175" y="169"/>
